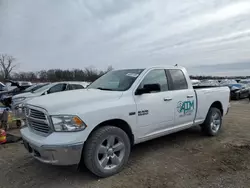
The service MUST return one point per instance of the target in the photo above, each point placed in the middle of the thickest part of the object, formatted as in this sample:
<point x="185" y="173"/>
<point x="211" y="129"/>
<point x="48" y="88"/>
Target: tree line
<point x="7" y="65"/>
<point x="55" y="75"/>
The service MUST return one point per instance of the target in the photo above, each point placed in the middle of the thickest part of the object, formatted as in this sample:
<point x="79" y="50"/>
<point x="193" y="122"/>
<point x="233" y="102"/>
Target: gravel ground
<point x="185" y="159"/>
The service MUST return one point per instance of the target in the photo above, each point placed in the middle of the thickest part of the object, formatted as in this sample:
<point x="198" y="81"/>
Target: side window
<point x="69" y="87"/>
<point x="57" y="88"/>
<point x="157" y="76"/>
<point x="75" y="86"/>
<point x="179" y="80"/>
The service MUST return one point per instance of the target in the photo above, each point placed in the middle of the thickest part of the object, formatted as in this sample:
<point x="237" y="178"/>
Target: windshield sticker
<point x="185" y="108"/>
<point x="132" y="75"/>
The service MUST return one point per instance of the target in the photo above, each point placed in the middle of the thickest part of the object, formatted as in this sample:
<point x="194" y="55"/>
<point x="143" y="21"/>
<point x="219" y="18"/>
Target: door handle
<point x="190" y="96"/>
<point x="167" y="99"/>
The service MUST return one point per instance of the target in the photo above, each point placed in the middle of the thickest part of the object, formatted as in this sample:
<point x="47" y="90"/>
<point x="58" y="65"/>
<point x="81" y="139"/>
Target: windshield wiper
<point x="106" y="89"/>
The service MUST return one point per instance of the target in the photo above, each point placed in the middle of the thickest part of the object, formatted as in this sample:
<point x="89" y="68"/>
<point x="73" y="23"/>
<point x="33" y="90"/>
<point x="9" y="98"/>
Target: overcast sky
<point x="45" y="34"/>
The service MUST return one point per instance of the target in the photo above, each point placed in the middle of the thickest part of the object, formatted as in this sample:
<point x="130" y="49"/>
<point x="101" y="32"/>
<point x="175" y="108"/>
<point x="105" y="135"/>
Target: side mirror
<point x="148" y="88"/>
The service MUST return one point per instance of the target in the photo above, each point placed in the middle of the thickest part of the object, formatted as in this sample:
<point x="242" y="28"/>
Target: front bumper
<point x="56" y="155"/>
<point x="56" y="148"/>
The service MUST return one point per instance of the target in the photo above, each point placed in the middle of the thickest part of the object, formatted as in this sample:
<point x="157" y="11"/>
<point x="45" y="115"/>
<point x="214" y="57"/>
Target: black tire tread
<point x="90" y="146"/>
<point x="206" y="129"/>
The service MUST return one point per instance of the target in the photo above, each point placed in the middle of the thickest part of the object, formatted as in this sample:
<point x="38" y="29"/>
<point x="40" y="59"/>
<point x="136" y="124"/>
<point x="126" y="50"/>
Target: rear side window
<point x="57" y="88"/>
<point x="178" y="79"/>
<point x="75" y="86"/>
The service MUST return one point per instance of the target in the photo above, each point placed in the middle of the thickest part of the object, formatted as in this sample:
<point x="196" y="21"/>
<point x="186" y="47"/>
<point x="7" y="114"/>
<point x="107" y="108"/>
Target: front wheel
<point x="106" y="151"/>
<point x="213" y="122"/>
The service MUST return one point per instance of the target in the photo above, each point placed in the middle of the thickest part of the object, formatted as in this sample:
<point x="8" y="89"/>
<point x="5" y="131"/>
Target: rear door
<point x="183" y="98"/>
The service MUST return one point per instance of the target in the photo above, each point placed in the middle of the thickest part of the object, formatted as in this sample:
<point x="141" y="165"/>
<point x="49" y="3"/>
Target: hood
<point x="56" y="102"/>
<point x="27" y="95"/>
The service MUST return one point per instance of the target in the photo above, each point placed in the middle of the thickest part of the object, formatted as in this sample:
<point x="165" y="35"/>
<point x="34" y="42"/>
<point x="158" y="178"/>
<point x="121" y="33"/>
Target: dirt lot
<point x="185" y="159"/>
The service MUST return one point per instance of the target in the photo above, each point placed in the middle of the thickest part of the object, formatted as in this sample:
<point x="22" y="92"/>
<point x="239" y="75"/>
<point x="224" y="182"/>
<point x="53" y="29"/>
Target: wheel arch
<point x="120" y="123"/>
<point x="218" y="105"/>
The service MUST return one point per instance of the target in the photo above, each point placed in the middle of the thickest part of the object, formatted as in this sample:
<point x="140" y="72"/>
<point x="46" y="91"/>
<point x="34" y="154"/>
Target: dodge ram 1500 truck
<point x="97" y="126"/>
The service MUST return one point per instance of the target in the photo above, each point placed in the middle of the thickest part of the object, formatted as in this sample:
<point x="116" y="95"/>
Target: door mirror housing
<point x="148" y="88"/>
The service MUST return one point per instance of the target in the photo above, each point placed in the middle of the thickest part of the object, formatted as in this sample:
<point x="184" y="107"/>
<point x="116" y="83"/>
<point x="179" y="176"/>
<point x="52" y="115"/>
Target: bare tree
<point x="7" y="64"/>
<point x="110" y="68"/>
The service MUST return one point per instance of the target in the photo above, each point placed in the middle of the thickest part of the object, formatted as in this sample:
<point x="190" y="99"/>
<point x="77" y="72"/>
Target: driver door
<point x="155" y="110"/>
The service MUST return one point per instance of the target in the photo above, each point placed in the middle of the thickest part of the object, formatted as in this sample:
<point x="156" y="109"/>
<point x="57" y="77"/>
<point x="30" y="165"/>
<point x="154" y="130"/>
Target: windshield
<point x="42" y="89"/>
<point x="236" y="85"/>
<point x="119" y="80"/>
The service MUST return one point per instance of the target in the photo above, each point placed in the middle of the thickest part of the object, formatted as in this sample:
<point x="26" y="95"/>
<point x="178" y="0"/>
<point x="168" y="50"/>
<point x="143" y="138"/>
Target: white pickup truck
<point x="97" y="126"/>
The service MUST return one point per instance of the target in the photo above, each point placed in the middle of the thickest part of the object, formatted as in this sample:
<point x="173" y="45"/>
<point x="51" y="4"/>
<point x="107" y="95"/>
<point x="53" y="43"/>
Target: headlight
<point x="67" y="123"/>
<point x="19" y="99"/>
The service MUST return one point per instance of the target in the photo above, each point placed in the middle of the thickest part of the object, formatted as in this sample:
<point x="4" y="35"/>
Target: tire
<point x="209" y="127"/>
<point x="98" y="150"/>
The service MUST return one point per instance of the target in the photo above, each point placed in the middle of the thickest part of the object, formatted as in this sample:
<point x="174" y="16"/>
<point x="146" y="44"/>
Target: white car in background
<point x="245" y="81"/>
<point x="209" y="83"/>
<point x="20" y="99"/>
<point x="195" y="82"/>
<point x="10" y="85"/>
<point x="227" y="82"/>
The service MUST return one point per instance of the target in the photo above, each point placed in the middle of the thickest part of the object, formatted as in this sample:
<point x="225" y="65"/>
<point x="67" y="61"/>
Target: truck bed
<point x="206" y="96"/>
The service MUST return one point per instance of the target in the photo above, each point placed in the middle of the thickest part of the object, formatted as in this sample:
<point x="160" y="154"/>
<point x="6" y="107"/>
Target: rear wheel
<point x="213" y="122"/>
<point x="106" y="151"/>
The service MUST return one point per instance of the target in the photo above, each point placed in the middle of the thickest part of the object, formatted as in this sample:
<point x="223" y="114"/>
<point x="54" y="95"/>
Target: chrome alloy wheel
<point x="215" y="122"/>
<point x="111" y="152"/>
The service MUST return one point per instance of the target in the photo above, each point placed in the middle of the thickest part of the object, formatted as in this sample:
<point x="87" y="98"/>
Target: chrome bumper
<point x="56" y="155"/>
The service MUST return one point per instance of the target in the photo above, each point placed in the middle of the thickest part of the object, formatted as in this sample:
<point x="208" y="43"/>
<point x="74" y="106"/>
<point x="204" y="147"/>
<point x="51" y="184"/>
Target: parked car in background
<point x="7" y="98"/>
<point x="195" y="82"/>
<point x="209" y="83"/>
<point x="245" y="81"/>
<point x="239" y="91"/>
<point x="13" y="88"/>
<point x="227" y="82"/>
<point x="2" y="86"/>
<point x="98" y="126"/>
<point x="20" y="99"/>
<point x="11" y="85"/>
